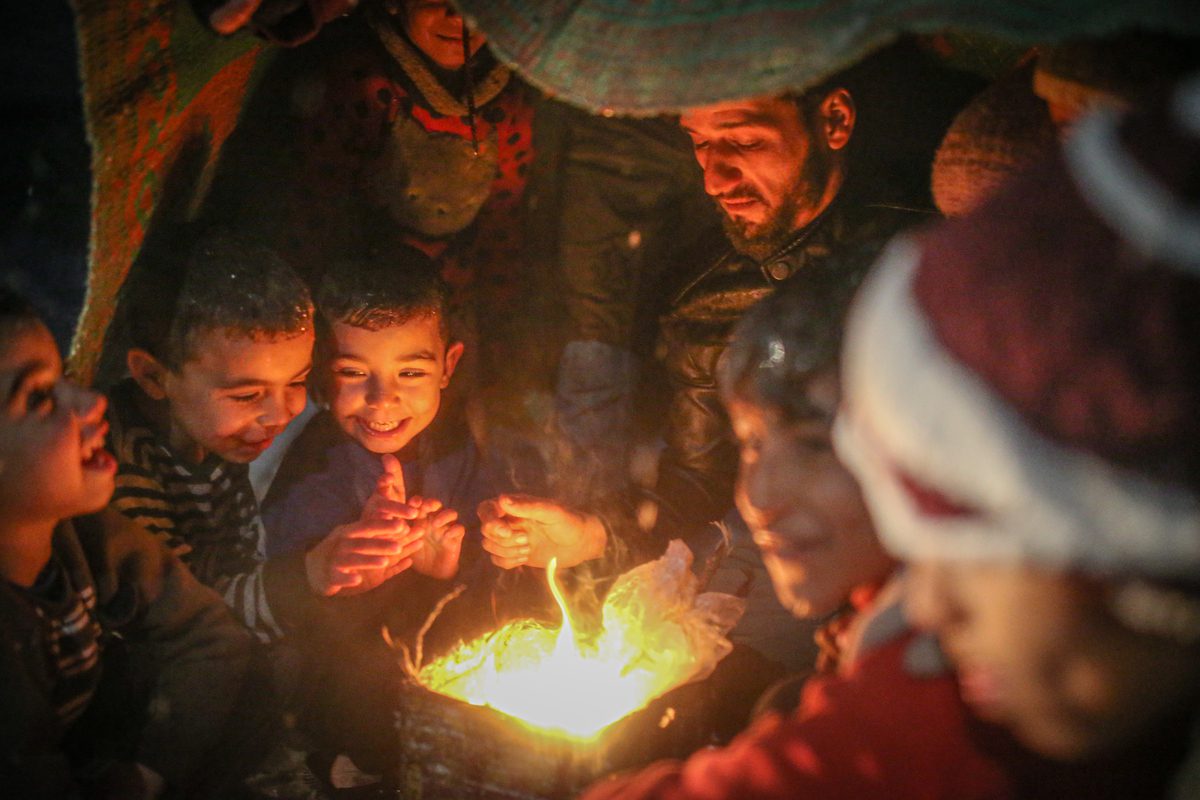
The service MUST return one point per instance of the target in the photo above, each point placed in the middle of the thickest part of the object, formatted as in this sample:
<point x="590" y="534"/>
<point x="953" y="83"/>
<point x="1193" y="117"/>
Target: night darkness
<point x="44" y="173"/>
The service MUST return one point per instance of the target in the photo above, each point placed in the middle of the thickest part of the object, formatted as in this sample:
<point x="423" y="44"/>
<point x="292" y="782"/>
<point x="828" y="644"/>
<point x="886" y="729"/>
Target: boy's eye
<point x="349" y="372"/>
<point x="40" y="399"/>
<point x="412" y="373"/>
<point x="244" y="398"/>
<point x="746" y="144"/>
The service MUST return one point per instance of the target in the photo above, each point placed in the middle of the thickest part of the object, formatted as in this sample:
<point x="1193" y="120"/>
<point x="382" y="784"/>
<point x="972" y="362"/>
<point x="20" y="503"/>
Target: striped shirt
<point x="206" y="512"/>
<point x="71" y="638"/>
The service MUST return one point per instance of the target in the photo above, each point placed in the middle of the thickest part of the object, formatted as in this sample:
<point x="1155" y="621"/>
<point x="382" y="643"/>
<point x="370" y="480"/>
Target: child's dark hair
<point x="787" y="339"/>
<point x="225" y="284"/>
<point x="384" y="289"/>
<point x="16" y="313"/>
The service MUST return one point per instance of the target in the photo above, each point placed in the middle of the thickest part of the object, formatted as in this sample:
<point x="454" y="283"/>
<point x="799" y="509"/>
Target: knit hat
<point x="647" y="57"/>
<point x="1120" y="72"/>
<point x="1000" y="133"/>
<point x="1023" y="384"/>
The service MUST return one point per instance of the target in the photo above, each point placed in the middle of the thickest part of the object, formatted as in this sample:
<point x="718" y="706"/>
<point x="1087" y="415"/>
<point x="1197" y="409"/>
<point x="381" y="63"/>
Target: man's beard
<point x="760" y="240"/>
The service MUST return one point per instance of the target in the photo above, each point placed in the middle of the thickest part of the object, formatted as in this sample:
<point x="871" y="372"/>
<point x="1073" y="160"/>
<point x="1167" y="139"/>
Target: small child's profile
<point x="76" y="586"/>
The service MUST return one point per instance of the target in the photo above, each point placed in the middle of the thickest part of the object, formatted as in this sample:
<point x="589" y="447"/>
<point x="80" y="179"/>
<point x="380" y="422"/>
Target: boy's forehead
<point x="811" y="397"/>
<point x="246" y="356"/>
<point x="26" y="342"/>
<point x="417" y="337"/>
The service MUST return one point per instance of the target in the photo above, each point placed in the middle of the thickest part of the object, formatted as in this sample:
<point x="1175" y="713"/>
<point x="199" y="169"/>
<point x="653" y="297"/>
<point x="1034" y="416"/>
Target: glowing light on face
<point x="655" y="634"/>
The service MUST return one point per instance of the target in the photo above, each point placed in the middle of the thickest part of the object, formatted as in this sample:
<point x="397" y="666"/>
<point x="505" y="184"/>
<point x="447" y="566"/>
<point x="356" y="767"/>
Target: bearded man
<point x="779" y="171"/>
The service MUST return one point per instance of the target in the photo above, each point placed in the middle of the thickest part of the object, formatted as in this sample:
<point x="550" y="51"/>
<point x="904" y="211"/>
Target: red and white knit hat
<point x="1023" y="383"/>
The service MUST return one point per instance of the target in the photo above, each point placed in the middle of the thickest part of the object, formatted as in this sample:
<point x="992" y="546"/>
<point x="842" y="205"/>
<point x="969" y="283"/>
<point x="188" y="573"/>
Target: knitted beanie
<point x="1023" y="384"/>
<point x="1004" y="130"/>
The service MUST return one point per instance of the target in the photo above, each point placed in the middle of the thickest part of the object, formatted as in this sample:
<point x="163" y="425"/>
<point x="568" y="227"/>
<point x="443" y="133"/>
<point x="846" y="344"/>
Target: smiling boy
<point x="385" y="356"/>
<point x="384" y="444"/>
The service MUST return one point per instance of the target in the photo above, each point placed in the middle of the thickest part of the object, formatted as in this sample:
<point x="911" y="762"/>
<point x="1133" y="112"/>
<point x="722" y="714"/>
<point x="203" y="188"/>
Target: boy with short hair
<point x="84" y="597"/>
<point x="219" y="357"/>
<point x="384" y="445"/>
<point x="385" y="355"/>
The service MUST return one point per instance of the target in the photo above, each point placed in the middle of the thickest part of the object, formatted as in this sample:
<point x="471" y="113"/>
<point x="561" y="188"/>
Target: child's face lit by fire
<point x="53" y="464"/>
<point x="804" y="509"/>
<point x="1041" y="652"/>
<point x="235" y="393"/>
<point x="387" y="383"/>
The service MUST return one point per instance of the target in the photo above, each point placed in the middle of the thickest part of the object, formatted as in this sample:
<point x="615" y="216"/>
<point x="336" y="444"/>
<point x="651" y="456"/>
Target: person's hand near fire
<point x="520" y="530"/>
<point x="361" y="555"/>
<point x="438" y="526"/>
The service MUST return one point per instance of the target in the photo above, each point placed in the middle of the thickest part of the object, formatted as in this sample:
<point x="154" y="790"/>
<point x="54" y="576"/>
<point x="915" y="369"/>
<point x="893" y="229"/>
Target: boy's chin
<point x="95" y="497"/>
<point x="384" y="446"/>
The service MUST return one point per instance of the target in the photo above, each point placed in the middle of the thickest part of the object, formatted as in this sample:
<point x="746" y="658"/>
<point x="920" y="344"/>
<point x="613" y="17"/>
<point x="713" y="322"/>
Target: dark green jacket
<point x="181" y="630"/>
<point x="699" y="465"/>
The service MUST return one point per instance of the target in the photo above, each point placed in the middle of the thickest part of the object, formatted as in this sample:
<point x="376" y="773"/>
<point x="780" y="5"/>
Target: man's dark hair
<point x="383" y="289"/>
<point x="225" y="284"/>
<point x="787" y="339"/>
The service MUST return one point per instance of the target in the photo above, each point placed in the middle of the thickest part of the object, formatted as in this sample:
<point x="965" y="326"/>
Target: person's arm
<point x="698" y="466"/>
<point x="200" y="654"/>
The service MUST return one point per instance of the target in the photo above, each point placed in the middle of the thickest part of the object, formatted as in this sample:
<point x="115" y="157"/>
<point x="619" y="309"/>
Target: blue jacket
<point x="326" y="477"/>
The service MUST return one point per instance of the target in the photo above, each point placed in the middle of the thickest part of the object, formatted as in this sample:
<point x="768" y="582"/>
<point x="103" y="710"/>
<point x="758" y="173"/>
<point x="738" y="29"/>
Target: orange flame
<point x="656" y="635"/>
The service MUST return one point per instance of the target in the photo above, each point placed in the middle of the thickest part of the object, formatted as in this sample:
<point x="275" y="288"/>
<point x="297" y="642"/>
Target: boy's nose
<point x="381" y="393"/>
<point x="275" y="412"/>
<point x="753" y="497"/>
<point x="87" y="405"/>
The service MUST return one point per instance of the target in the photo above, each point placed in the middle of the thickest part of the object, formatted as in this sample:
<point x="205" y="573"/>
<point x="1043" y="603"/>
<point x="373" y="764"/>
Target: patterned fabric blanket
<point x="160" y="94"/>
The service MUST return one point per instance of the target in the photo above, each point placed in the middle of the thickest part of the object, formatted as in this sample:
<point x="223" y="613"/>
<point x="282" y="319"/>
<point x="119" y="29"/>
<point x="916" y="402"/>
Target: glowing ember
<point x="656" y="634"/>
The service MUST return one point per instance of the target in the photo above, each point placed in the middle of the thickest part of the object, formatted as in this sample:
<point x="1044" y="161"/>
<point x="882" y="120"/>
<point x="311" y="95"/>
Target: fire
<point x="656" y="634"/>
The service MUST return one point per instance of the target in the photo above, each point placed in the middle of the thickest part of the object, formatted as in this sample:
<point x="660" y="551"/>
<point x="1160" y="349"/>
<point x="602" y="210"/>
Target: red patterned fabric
<point x="339" y="134"/>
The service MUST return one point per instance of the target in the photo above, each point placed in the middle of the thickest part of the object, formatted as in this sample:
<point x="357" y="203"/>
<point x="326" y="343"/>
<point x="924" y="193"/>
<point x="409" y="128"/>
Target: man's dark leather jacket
<point x="698" y="467"/>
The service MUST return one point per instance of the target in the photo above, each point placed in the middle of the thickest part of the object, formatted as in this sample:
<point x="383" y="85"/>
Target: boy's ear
<point x="148" y="372"/>
<point x="453" y="354"/>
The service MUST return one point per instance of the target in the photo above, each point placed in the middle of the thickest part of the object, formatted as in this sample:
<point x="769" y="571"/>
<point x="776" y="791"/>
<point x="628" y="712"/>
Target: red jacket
<point x="873" y="731"/>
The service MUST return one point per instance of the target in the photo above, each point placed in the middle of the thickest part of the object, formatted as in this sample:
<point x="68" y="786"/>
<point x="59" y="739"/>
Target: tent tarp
<point x="646" y="57"/>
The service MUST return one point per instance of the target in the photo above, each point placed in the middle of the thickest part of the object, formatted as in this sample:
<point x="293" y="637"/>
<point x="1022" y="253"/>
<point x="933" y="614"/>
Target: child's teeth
<point x="383" y="427"/>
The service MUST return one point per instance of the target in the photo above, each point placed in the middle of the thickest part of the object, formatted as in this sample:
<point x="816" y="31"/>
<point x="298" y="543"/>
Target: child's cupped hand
<point x="438" y="526"/>
<point x="361" y="555"/>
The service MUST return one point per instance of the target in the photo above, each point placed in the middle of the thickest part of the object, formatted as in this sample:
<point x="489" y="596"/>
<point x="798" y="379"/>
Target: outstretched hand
<point x="438" y="526"/>
<point x="524" y="530"/>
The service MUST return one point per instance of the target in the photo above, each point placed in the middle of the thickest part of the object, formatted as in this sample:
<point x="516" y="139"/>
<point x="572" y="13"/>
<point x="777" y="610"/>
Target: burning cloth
<point x="655" y="633"/>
